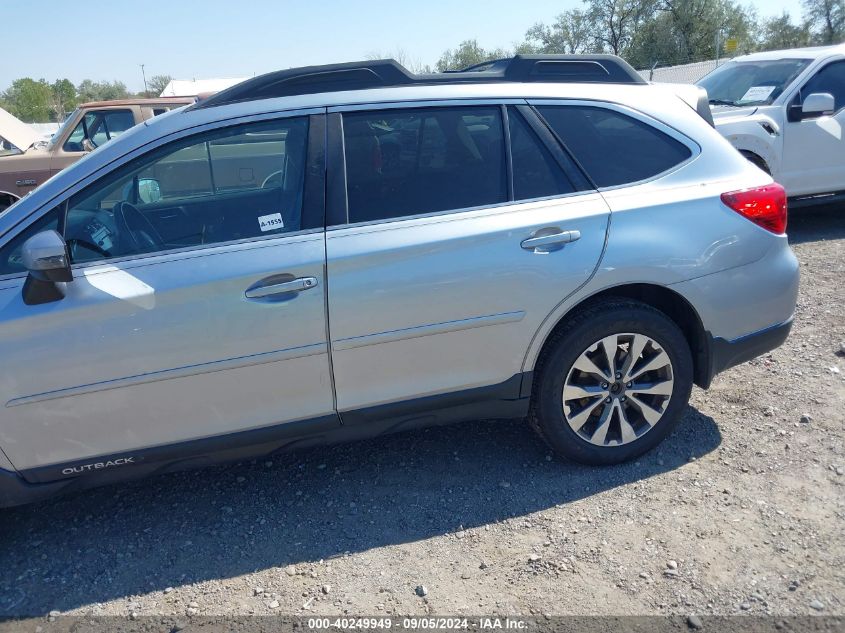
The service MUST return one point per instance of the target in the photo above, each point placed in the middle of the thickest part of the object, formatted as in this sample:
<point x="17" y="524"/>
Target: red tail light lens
<point x="765" y="206"/>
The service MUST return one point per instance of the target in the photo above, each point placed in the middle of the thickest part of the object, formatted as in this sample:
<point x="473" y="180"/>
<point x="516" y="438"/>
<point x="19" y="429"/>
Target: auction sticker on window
<point x="271" y="222"/>
<point x="758" y="93"/>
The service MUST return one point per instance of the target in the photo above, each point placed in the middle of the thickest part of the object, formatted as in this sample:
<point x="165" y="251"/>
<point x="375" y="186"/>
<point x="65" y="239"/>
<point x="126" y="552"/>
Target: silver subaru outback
<point x="327" y="253"/>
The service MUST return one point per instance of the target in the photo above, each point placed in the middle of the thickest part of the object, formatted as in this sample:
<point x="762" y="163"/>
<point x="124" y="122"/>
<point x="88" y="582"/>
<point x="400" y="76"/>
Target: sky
<point x="195" y="39"/>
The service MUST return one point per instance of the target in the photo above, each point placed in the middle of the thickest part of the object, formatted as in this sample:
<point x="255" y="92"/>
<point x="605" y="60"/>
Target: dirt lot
<point x="740" y="511"/>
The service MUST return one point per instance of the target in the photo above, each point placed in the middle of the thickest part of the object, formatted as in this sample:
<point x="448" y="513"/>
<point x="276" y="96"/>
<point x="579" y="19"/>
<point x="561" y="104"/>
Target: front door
<point x="457" y="246"/>
<point x="196" y="309"/>
<point x="814" y="147"/>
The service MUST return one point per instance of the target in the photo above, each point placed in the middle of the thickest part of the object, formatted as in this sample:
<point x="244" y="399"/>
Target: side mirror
<point x="88" y="145"/>
<point x="149" y="190"/>
<point x="46" y="258"/>
<point x="818" y="103"/>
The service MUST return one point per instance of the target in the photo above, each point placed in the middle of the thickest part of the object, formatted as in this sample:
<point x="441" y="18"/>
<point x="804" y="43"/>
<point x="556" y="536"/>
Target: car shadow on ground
<point x="218" y="523"/>
<point x="817" y="223"/>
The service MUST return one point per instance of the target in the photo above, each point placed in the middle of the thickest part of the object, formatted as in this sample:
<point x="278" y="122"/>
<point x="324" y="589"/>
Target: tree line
<point x="646" y="33"/>
<point x="665" y="32"/>
<point x="38" y="101"/>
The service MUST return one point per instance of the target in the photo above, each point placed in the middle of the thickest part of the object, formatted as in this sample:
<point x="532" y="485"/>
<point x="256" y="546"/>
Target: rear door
<point x="213" y="327"/>
<point x="448" y="247"/>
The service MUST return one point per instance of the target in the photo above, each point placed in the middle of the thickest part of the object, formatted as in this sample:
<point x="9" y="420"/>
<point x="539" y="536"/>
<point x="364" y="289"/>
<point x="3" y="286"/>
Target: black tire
<point x="612" y="316"/>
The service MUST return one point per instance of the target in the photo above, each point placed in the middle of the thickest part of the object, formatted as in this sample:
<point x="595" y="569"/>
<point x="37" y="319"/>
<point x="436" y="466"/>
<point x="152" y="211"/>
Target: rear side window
<point x="411" y="161"/>
<point x="614" y="148"/>
<point x="536" y="173"/>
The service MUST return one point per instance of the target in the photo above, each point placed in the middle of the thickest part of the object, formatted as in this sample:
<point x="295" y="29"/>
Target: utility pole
<point x="718" y="45"/>
<point x="144" y="75"/>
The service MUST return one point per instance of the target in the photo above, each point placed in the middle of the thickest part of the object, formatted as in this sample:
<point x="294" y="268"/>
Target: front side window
<point x="236" y="183"/>
<point x="412" y="161"/>
<point x="751" y="83"/>
<point x="100" y="126"/>
<point x="830" y="79"/>
<point x="614" y="148"/>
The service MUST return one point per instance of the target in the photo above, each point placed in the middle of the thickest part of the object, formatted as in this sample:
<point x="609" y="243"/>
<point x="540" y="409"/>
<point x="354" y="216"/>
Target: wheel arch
<point x="671" y="303"/>
<point x="757" y="160"/>
<point x="757" y="143"/>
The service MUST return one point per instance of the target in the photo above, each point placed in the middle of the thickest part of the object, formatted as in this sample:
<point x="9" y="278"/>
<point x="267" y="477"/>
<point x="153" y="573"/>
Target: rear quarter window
<point x="614" y="148"/>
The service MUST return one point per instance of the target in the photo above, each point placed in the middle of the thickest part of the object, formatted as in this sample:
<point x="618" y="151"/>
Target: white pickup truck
<point x="785" y="111"/>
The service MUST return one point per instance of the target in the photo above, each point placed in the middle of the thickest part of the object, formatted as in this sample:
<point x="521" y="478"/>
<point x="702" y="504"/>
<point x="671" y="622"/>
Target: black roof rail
<point x="490" y="64"/>
<point x="563" y="68"/>
<point x="386" y="73"/>
<point x="573" y="69"/>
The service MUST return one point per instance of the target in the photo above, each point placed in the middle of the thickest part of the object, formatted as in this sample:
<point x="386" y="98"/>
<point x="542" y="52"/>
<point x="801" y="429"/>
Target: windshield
<point x="751" y="83"/>
<point x="61" y="131"/>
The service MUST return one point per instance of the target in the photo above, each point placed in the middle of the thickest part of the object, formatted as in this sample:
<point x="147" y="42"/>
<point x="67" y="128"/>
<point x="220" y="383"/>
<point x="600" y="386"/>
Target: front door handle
<point x="299" y="284"/>
<point x="542" y="242"/>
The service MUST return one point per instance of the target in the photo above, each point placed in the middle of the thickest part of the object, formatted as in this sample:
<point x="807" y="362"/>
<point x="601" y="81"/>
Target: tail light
<point x="765" y="206"/>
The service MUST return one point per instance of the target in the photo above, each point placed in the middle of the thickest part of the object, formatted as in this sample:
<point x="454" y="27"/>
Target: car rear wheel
<point x="612" y="383"/>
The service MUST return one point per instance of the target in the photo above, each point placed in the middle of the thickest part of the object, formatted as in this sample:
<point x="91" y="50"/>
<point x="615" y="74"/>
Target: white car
<point x="784" y="111"/>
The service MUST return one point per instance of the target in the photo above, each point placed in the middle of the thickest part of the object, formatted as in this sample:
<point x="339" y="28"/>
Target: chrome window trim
<point x="153" y="145"/>
<point x="427" y="103"/>
<point x="443" y="103"/>
<point x="205" y="250"/>
<point x="449" y="216"/>
<point x="150" y="146"/>
<point x="672" y="132"/>
<point x="190" y="252"/>
<point x="691" y="145"/>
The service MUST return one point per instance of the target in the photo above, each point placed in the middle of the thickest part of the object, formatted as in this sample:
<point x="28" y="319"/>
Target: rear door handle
<point x="555" y="239"/>
<point x="294" y="285"/>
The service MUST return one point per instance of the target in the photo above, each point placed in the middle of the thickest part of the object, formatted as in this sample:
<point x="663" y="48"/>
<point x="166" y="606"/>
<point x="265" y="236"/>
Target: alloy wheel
<point x="618" y="389"/>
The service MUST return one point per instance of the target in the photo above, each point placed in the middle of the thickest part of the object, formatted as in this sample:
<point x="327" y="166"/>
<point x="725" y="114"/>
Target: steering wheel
<point x="273" y="179"/>
<point x="140" y="232"/>
<point x="74" y="243"/>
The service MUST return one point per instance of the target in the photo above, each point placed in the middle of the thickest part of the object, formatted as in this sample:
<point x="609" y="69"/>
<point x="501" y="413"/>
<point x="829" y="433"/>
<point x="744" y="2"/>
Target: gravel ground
<point x="740" y="511"/>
